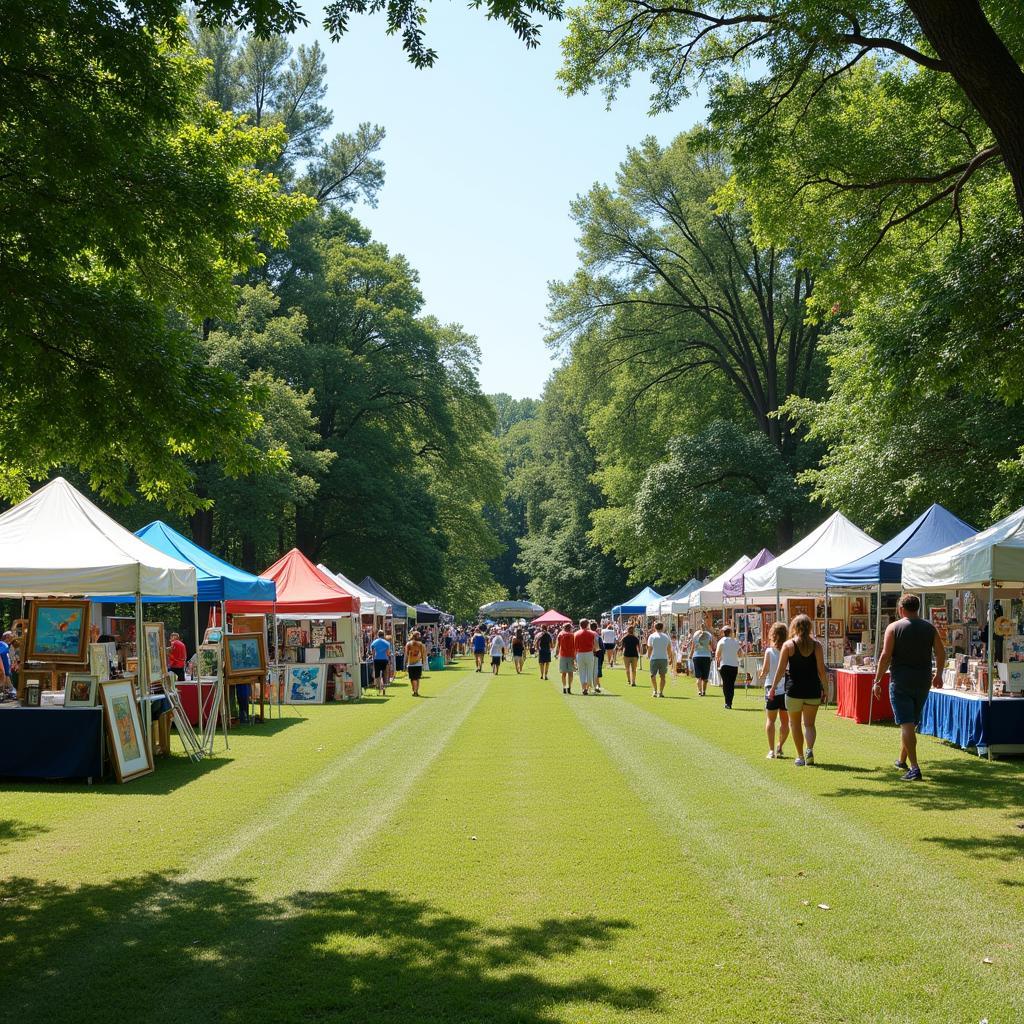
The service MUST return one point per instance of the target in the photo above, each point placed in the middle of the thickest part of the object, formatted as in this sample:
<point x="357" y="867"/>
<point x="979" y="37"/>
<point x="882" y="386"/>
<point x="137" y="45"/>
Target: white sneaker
<point x="799" y="762"/>
<point x="770" y="756"/>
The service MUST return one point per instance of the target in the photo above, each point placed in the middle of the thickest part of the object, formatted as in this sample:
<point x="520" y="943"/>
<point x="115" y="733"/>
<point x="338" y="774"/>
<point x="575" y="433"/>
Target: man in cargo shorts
<point x="910" y="642"/>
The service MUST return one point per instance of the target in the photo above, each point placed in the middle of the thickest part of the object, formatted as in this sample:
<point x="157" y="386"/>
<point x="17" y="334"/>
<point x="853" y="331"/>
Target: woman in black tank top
<point x="802" y="662"/>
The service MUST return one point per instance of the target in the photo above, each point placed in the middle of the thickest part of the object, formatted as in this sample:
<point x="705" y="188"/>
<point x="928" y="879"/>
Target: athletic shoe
<point x="799" y="762"/>
<point x="913" y="775"/>
<point x="770" y="756"/>
<point x="809" y="757"/>
<point x="900" y="766"/>
<point x="778" y="751"/>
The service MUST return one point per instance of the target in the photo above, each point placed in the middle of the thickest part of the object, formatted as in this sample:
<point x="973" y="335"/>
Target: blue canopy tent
<point x="882" y="568"/>
<point x="637" y="604"/>
<point x="217" y="581"/>
<point x="427" y="613"/>
<point x="399" y="609"/>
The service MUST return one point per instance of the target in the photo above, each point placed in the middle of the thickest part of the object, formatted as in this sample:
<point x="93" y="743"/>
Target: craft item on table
<point x="58" y="632"/>
<point x="128" y="749"/>
<point x="244" y="655"/>
<point x="305" y="684"/>
<point x="33" y="692"/>
<point x="80" y="690"/>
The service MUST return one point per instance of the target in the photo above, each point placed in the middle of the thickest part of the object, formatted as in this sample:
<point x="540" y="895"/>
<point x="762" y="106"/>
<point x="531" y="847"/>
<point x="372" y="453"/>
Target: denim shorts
<point x="907" y="702"/>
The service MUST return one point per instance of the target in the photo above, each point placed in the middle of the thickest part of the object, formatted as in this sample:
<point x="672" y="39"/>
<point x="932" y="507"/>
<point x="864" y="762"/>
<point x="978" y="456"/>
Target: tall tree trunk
<point x="201" y="522"/>
<point x="784" y="533"/>
<point x="984" y="68"/>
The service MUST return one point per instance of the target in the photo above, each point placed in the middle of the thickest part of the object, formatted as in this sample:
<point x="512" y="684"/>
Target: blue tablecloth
<point x="51" y="743"/>
<point x="972" y="722"/>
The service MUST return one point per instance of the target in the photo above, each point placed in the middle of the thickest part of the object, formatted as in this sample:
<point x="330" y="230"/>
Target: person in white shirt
<point x="658" y="647"/>
<point x="727" y="658"/>
<point x="610" y="639"/>
<point x="497" y="652"/>
<point x="774" y="701"/>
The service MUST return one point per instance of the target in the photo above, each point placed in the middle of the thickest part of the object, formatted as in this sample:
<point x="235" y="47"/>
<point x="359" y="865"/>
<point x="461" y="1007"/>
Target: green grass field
<point x="499" y="852"/>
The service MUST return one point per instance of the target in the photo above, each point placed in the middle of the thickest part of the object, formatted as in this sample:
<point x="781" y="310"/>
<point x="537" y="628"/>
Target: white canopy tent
<point x="993" y="558"/>
<point x="57" y="543"/>
<point x="711" y="594"/>
<point x="369" y="604"/>
<point x="801" y="569"/>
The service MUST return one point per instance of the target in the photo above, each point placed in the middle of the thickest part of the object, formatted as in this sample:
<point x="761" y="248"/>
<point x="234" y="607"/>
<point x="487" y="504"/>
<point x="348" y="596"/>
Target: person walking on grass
<point x="700" y="655"/>
<point x="543" y="642"/>
<point x="415" y="660"/>
<point x="584" y="639"/>
<point x="630" y="645"/>
<point x="479" y="647"/>
<point x="727" y="660"/>
<point x="774" y="698"/>
<point x="598" y="659"/>
<point x="907" y="650"/>
<point x="498" y="646"/>
<point x="381" y="650"/>
<point x="518" y="650"/>
<point x="658" y="647"/>
<point x="802" y="662"/>
<point x="566" y="656"/>
<point x="609" y="638"/>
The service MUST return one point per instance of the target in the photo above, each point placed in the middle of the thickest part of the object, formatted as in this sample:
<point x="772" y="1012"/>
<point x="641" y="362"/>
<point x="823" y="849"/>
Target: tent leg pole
<point x="991" y="652"/>
<point x="195" y="674"/>
<point x="225" y="707"/>
<point x="141" y="653"/>
<point x="878" y="645"/>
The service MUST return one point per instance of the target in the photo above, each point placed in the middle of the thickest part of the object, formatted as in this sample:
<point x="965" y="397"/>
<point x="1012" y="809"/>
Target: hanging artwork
<point x="305" y="684"/>
<point x="835" y="628"/>
<point x="800" y="606"/>
<point x="80" y="689"/>
<point x="292" y="636"/>
<point x="858" y="605"/>
<point x="124" y="731"/>
<point x="859" y="623"/>
<point x="58" y="631"/>
<point x="156" y="652"/>
<point x="244" y="655"/>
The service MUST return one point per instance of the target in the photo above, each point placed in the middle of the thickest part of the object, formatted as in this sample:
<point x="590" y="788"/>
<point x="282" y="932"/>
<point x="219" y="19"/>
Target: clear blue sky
<point x="483" y="157"/>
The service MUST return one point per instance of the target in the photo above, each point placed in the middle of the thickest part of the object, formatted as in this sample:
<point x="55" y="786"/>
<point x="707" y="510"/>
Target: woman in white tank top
<point x="774" y="702"/>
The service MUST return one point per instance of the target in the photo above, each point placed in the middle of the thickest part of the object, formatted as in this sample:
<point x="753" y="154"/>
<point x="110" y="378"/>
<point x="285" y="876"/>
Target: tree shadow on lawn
<point x="1002" y="847"/>
<point x="13" y="831"/>
<point x="958" y="785"/>
<point x="168" y="950"/>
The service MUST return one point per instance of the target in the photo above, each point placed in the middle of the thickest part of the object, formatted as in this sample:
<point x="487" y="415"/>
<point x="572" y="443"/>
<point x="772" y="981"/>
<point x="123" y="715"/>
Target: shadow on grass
<point x="12" y="831"/>
<point x="202" y="951"/>
<point x="953" y="786"/>
<point x="992" y="847"/>
<point x="268" y="727"/>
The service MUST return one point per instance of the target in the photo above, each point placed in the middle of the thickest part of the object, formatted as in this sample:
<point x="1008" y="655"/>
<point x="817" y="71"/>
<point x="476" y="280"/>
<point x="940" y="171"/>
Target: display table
<point x="51" y="743"/>
<point x="970" y="720"/>
<point x="853" y="696"/>
<point x="190" y="699"/>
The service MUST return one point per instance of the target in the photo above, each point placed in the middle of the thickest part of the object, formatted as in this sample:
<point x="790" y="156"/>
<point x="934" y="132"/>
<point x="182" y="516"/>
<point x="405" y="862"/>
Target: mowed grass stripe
<point x="754" y="832"/>
<point x="527" y="832"/>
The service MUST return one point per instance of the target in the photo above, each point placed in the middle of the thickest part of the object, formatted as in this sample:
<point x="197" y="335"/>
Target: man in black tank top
<point x="910" y="643"/>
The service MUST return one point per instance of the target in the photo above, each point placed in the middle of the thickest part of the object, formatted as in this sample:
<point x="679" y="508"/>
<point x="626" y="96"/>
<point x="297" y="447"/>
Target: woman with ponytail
<point x="802" y="662"/>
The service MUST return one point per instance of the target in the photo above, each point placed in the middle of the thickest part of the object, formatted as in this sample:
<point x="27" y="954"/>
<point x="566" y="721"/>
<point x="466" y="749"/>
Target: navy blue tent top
<point x="933" y="530"/>
<point x="216" y="580"/>
<point x="427" y="613"/>
<point x="399" y="608"/>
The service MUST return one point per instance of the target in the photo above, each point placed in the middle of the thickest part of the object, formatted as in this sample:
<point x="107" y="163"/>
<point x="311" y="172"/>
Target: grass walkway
<point x="498" y="852"/>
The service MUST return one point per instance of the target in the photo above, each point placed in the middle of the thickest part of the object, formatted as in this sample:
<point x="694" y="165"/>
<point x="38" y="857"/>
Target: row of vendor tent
<point x="511" y="610"/>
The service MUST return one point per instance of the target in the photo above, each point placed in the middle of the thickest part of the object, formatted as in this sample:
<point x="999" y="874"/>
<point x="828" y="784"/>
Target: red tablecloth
<point x="187" y="691"/>
<point x="853" y="697"/>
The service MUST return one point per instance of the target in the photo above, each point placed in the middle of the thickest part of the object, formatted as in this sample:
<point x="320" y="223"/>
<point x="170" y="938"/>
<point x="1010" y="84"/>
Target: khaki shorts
<point x="799" y="703"/>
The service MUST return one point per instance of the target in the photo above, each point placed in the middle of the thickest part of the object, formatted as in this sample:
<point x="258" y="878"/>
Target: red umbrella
<point x="550" y="618"/>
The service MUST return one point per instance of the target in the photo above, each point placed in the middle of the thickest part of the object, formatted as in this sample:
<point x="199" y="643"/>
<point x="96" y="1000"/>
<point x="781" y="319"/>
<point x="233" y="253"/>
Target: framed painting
<point x="292" y="636"/>
<point x="213" y="635"/>
<point x="305" y="684"/>
<point x="820" y="628"/>
<point x="835" y="628"/>
<point x="800" y="606"/>
<point x="128" y="749"/>
<point x="858" y="605"/>
<point x="859" y="624"/>
<point x="156" y="651"/>
<point x="58" y="631"/>
<point x="102" y="661"/>
<point x="244" y="655"/>
<point x="248" y="623"/>
<point x="208" y="661"/>
<point x="80" y="689"/>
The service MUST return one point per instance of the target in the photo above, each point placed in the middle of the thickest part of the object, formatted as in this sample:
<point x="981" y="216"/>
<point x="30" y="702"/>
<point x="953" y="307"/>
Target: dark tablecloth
<point x="971" y="721"/>
<point x="51" y="743"/>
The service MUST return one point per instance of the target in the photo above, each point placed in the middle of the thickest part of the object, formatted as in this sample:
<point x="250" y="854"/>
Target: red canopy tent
<point x="549" y="618"/>
<point x="303" y="591"/>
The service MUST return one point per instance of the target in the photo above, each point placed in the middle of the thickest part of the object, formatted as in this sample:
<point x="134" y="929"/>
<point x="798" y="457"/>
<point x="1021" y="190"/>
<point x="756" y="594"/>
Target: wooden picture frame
<point x="129" y="751"/>
<point x="156" y="652"/>
<point x="58" y="632"/>
<point x="836" y="629"/>
<point x="80" y="690"/>
<point x="799" y="606"/>
<point x="245" y="654"/>
<point x="820" y="628"/>
<point x="208" y="661"/>
<point x="859" y="624"/>
<point x="102" y="658"/>
<point x="248" y="624"/>
<point x="858" y="605"/>
<point x="213" y="635"/>
<point x="305" y="684"/>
